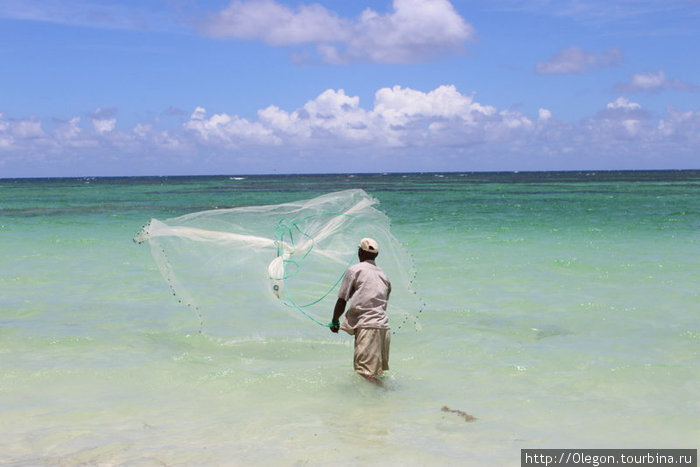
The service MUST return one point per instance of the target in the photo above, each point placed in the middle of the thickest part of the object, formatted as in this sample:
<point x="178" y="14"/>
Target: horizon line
<point x="320" y="174"/>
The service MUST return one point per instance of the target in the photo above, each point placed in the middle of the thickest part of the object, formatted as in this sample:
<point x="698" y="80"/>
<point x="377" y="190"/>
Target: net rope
<point x="236" y="268"/>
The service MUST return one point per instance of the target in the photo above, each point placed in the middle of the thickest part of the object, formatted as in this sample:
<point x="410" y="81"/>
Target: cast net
<point x="238" y="268"/>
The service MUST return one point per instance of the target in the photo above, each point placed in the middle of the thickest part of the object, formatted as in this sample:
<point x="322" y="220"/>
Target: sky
<point x="194" y="87"/>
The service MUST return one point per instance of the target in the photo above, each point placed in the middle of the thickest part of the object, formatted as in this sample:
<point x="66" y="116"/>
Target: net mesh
<point x="238" y="268"/>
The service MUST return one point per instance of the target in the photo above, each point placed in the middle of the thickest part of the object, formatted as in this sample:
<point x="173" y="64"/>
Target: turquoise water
<point x="561" y="311"/>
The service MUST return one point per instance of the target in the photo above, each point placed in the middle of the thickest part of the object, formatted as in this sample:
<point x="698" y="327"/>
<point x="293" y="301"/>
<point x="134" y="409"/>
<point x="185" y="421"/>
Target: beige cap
<point x="369" y="245"/>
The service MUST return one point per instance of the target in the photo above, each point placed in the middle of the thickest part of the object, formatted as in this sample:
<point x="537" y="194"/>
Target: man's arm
<point x="337" y="313"/>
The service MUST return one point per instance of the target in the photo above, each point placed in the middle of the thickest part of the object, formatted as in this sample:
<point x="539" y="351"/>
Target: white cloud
<point x="104" y="125"/>
<point x="22" y="141"/>
<point x="332" y="116"/>
<point x="414" y="31"/>
<point x="21" y="133"/>
<point x="437" y="121"/>
<point x="400" y="117"/>
<point x="654" y="82"/>
<point x="684" y="125"/>
<point x="576" y="60"/>
<point x="621" y="120"/>
<point x="226" y="130"/>
<point x="68" y="130"/>
<point x="622" y="110"/>
<point x="103" y="120"/>
<point x="334" y="131"/>
<point x="623" y="103"/>
<point x="398" y="106"/>
<point x="28" y="129"/>
<point x="277" y="24"/>
<point x="649" y="81"/>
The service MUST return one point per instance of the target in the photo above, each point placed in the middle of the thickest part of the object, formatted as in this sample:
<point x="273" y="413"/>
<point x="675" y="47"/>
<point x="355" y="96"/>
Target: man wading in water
<point x="367" y="289"/>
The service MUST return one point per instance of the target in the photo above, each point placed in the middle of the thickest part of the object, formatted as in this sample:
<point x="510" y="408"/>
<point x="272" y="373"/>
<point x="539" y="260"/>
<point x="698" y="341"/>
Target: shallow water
<point x="561" y="311"/>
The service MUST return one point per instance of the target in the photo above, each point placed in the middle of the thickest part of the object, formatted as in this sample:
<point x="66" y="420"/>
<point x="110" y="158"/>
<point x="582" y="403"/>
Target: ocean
<point x="562" y="310"/>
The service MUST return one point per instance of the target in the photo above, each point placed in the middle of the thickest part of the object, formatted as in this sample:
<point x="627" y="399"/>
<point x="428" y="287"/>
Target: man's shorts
<point x="372" y="351"/>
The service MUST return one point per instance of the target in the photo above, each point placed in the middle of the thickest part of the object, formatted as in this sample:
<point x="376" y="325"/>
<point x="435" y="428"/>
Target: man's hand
<point x="337" y="313"/>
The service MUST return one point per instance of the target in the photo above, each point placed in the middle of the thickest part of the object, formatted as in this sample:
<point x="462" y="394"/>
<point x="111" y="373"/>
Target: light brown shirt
<point x="366" y="288"/>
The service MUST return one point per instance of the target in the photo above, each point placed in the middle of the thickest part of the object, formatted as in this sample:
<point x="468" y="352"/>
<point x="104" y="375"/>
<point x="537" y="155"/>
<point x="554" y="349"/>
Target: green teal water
<point x="562" y="310"/>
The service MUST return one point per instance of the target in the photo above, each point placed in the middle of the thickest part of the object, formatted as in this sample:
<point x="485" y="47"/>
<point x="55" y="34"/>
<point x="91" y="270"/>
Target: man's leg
<point x="371" y="351"/>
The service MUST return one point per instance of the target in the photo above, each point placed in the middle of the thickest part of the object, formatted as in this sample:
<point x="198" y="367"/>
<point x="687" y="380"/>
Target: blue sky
<point x="176" y="87"/>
